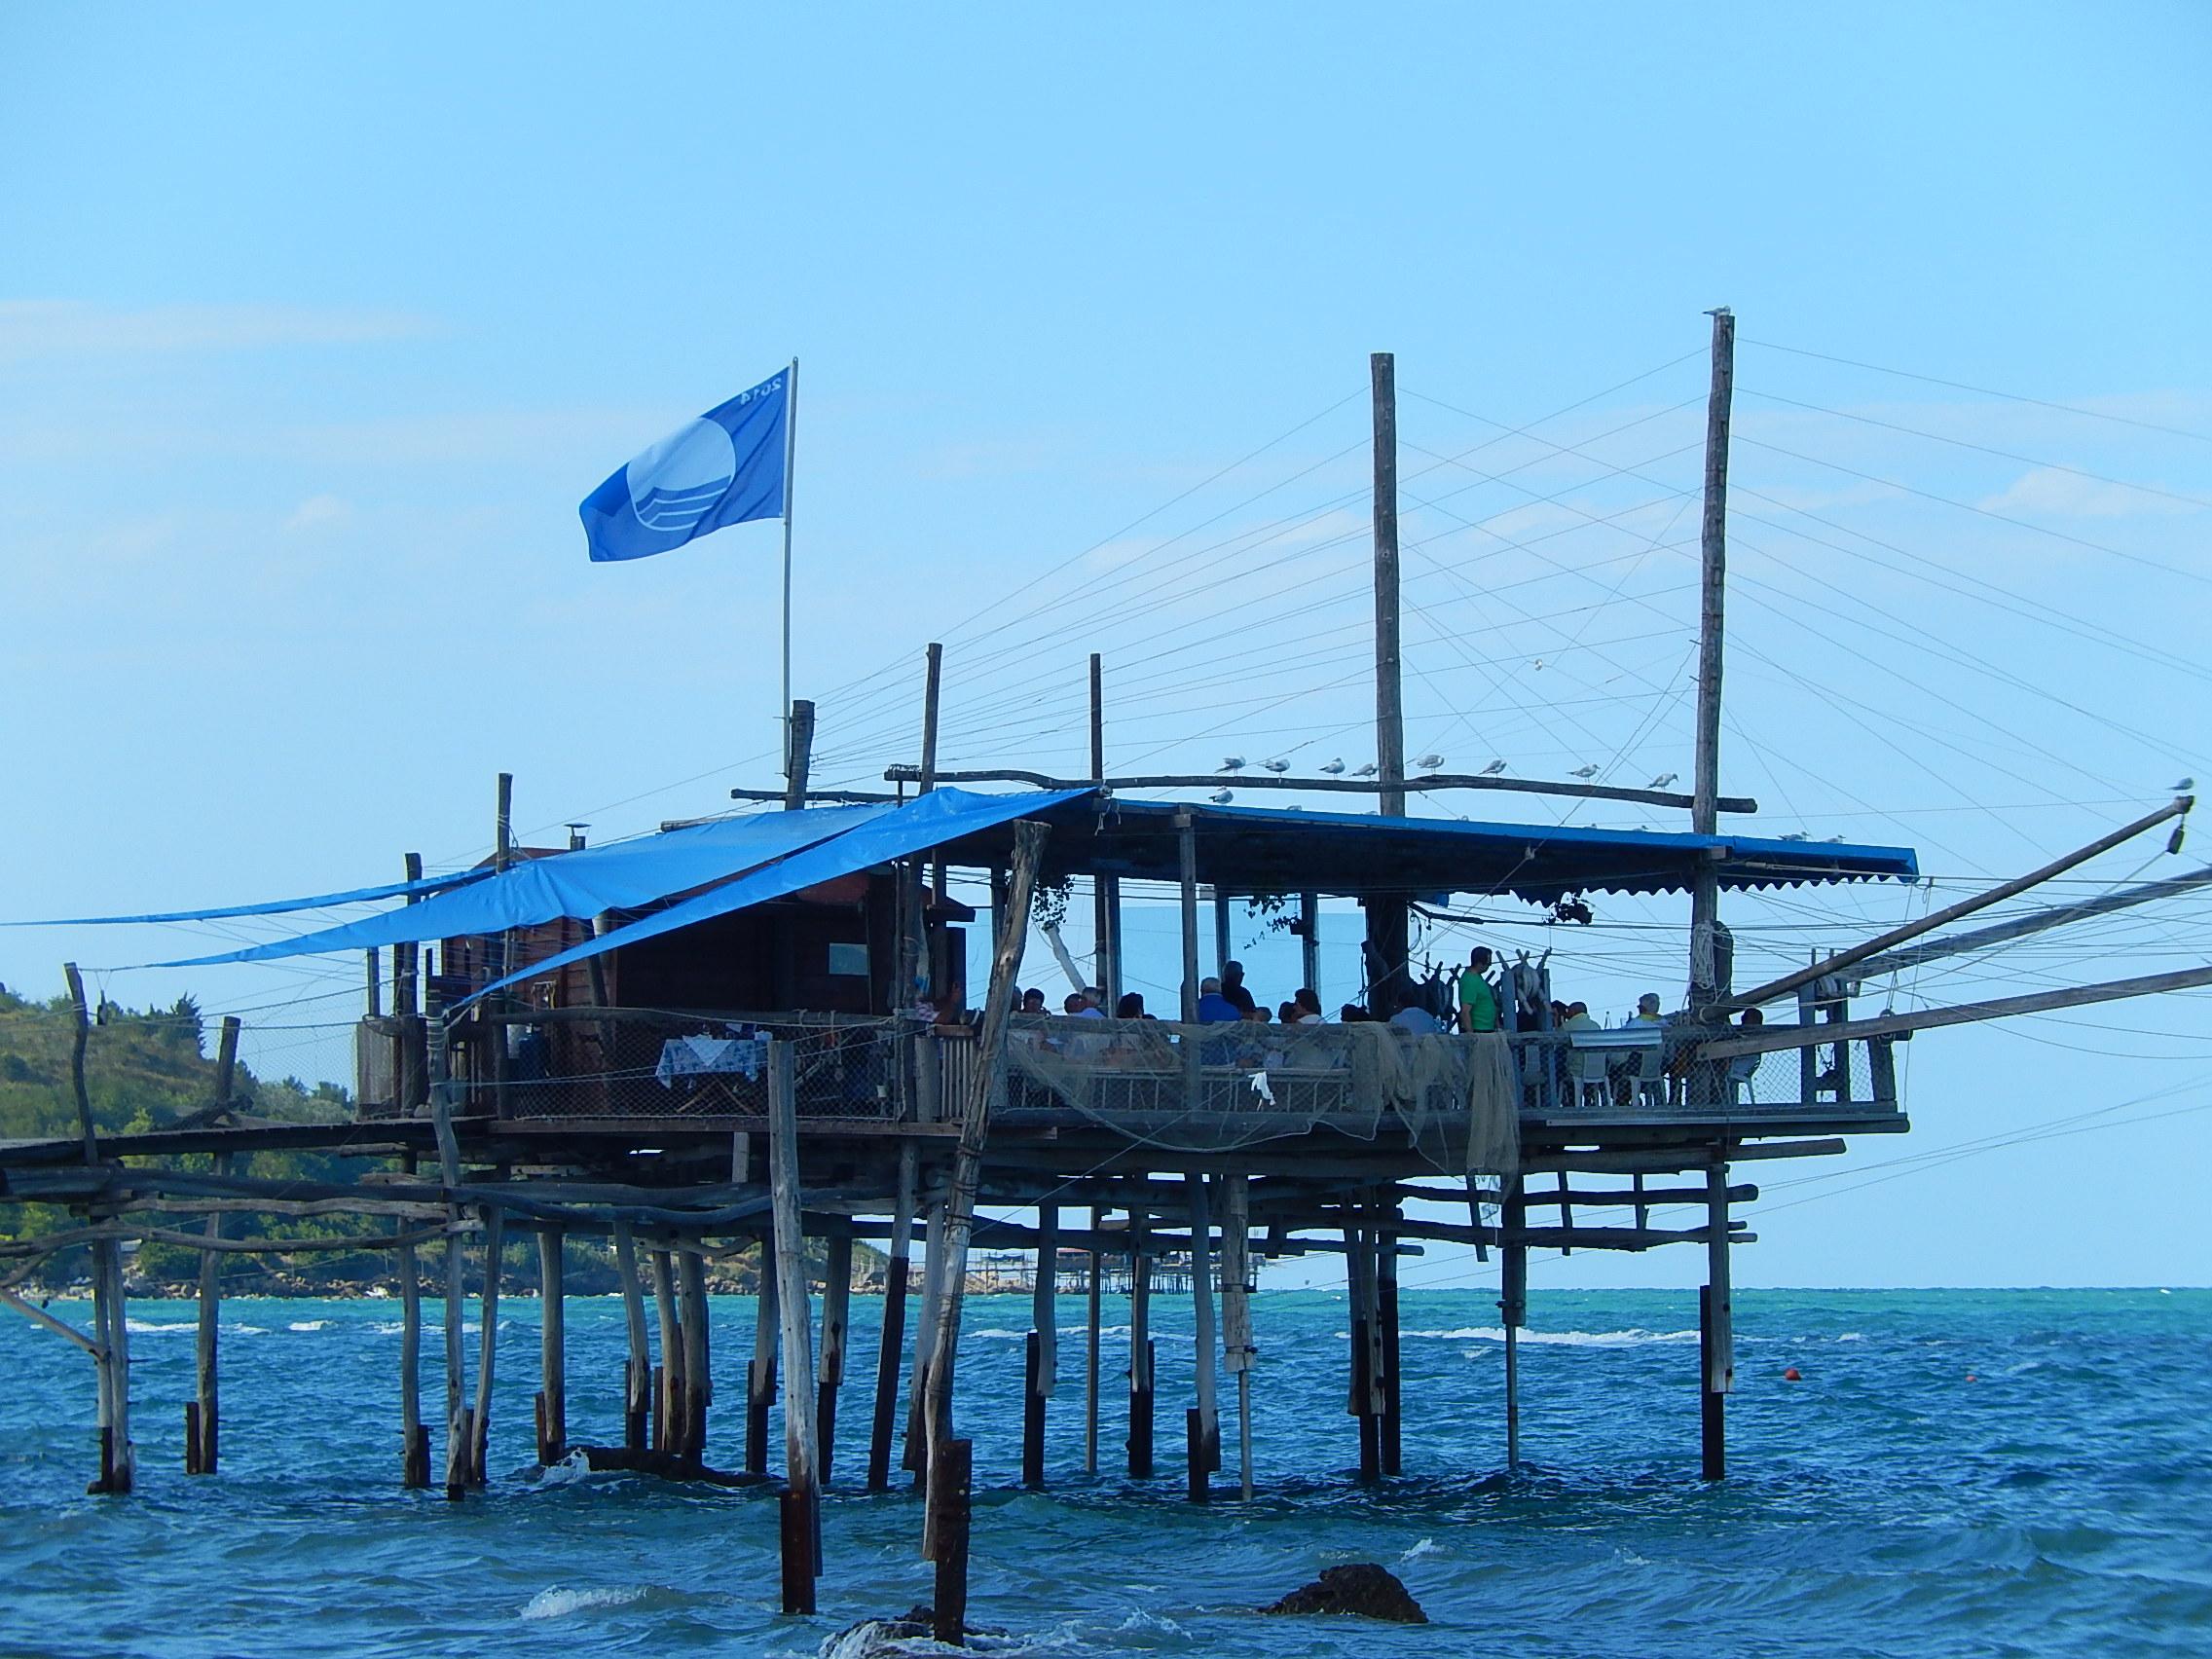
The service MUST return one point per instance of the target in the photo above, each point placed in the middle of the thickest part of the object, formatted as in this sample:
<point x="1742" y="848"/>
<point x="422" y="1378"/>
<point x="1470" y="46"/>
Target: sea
<point x="1952" y="1472"/>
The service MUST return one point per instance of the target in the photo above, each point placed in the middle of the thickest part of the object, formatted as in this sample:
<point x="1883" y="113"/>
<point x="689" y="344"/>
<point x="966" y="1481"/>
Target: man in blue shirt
<point x="1214" y="1009"/>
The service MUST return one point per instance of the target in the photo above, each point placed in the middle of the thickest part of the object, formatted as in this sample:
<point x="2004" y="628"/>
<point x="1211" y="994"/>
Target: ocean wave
<point x="307" y="1325"/>
<point x="1631" y="1338"/>
<point x="558" y="1603"/>
<point x="148" y="1327"/>
<point x="1426" y="1547"/>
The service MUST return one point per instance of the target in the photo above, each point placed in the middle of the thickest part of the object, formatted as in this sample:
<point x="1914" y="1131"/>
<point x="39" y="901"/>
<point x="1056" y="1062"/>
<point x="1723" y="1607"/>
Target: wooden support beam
<point x="1513" y="1310"/>
<point x="669" y="1396"/>
<point x="1359" y="1299"/>
<point x="1237" y="1348"/>
<point x="761" y="1373"/>
<point x="986" y="1079"/>
<point x="1386" y="1315"/>
<point x="203" y="1427"/>
<point x="413" y="1438"/>
<point x="1831" y="965"/>
<point x="1704" y="881"/>
<point x="1716" y="1329"/>
<point x="799" y="752"/>
<point x="950" y="1479"/>
<point x="1090" y="1299"/>
<point x="698" y="1356"/>
<point x="1206" y="1455"/>
<point x="1422" y="783"/>
<point x="801" y="1464"/>
<point x="1774" y="1038"/>
<point x="916" y="1456"/>
<point x="1041" y="1349"/>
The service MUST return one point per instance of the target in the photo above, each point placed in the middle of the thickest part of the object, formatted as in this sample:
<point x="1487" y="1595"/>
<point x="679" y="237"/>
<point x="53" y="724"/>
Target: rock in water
<point x="1363" y="1588"/>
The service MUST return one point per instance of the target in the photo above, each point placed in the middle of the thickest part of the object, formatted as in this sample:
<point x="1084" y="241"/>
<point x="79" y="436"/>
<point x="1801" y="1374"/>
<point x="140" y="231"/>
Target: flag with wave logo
<point x="729" y="466"/>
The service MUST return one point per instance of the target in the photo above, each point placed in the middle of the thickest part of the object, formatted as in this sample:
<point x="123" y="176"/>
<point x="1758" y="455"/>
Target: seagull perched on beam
<point x="1583" y="772"/>
<point x="1796" y="835"/>
<point x="1335" y="768"/>
<point x="1234" y="764"/>
<point x="1429" y="762"/>
<point x="1277" y="765"/>
<point x="1494" y="768"/>
<point x="1366" y="771"/>
<point x="1221" y="797"/>
<point x="1665" y="780"/>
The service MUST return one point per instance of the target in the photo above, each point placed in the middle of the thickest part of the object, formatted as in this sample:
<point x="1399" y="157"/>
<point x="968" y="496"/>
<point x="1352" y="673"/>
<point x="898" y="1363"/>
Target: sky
<point x="316" y="325"/>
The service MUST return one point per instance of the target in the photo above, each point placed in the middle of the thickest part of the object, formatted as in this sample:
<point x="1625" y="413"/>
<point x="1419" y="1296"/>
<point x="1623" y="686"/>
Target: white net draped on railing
<point x="1201" y="1087"/>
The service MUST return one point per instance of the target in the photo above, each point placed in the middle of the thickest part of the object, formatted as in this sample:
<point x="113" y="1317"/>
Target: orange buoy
<point x="1793" y="1375"/>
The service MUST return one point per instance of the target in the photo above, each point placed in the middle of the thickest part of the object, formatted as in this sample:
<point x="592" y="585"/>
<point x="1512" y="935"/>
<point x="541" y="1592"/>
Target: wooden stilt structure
<point x="916" y="1454"/>
<point x="1716" y="1341"/>
<point x="802" y="1497"/>
<point x="836" y="1313"/>
<point x="1090" y="1311"/>
<point x="638" y="1367"/>
<point x="892" y="1335"/>
<point x="668" y="1395"/>
<point x="760" y="1374"/>
<point x="1203" y="1453"/>
<point x="487" y="1349"/>
<point x="1140" y="1352"/>
<point x="1392" y="1450"/>
<point x="1237" y="1349"/>
<point x="414" y="1437"/>
<point x="698" y="1338"/>
<point x="552" y="1347"/>
<point x="1513" y="1310"/>
<point x="1041" y="1349"/>
<point x="202" y="1416"/>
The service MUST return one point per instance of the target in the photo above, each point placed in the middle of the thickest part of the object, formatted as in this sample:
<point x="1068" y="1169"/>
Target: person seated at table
<point x="1286" y="1013"/>
<point x="1646" y="1011"/>
<point x="1577" y="1019"/>
<point x="1130" y="1007"/>
<point x="1033" y="1001"/>
<point x="1097" y="999"/>
<point x="1354" y="1014"/>
<point x="1233" y="986"/>
<point x="1308" y="1003"/>
<point x="1214" y="1009"/>
<point x="1741" y="1067"/>
<point x="1414" y="1019"/>
<point x="1478" y="994"/>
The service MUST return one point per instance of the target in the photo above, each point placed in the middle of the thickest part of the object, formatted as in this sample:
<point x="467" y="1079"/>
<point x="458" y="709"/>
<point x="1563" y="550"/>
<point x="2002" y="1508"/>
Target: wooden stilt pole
<point x="916" y="1457"/>
<point x="1513" y="1309"/>
<point x="836" y="1314"/>
<point x="893" y="1335"/>
<point x="1359" y="1297"/>
<point x="1140" y="1352"/>
<point x="413" y="1438"/>
<point x="552" y="1347"/>
<point x="1705" y="889"/>
<point x="487" y="1347"/>
<point x="698" y="1335"/>
<point x="1091" y="1352"/>
<point x="204" y="1432"/>
<point x="1204" y="1456"/>
<point x="1238" y="1351"/>
<point x="1387" y="923"/>
<point x="802" y="1510"/>
<point x="760" y="1374"/>
<point x="1386" y="1316"/>
<point x="637" y="1370"/>
<point x="1042" y="1347"/>
<point x="667" y="1396"/>
<point x="111" y="1361"/>
<point x="951" y="1474"/>
<point x="1716" y="1327"/>
<point x="461" y="1456"/>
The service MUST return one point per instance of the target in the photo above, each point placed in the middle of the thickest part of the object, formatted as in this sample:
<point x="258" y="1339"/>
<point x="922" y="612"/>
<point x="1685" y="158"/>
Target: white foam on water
<point x="575" y="1467"/>
<point x="148" y="1327"/>
<point x="387" y="1327"/>
<point x="558" y="1603"/>
<point x="307" y="1325"/>
<point x="1632" y="1338"/>
<point x="1852" y="1336"/>
<point x="1139" y="1619"/>
<point x="1426" y="1547"/>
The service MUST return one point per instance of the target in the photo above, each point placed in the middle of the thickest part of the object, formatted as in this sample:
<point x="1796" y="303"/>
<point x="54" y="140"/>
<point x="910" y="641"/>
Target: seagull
<point x="1662" y="781"/>
<point x="1366" y="771"/>
<point x="1277" y="766"/>
<point x="1494" y="768"/>
<point x="1334" y="767"/>
<point x="1833" y="839"/>
<point x="1221" y="797"/>
<point x="2184" y="786"/>
<point x="1583" y="772"/>
<point x="1234" y="764"/>
<point x="1796" y="835"/>
<point x="1429" y="762"/>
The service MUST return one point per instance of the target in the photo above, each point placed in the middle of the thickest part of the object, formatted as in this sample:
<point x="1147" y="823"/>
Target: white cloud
<point x="318" y="510"/>
<point x="77" y="327"/>
<point x="2055" y="490"/>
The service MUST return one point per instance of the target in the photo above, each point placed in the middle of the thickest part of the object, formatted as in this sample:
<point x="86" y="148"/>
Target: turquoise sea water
<point x="2059" y="1502"/>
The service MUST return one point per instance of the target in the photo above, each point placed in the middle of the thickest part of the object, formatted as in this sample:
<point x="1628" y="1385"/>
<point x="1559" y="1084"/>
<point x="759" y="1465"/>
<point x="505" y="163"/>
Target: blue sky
<point x="316" y="324"/>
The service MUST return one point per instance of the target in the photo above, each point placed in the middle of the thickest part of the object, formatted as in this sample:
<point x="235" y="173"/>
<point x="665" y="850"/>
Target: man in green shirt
<point x="1478" y="996"/>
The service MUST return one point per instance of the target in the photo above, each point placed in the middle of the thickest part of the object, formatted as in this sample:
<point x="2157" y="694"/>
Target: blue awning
<point x="930" y="821"/>
<point x="619" y="875"/>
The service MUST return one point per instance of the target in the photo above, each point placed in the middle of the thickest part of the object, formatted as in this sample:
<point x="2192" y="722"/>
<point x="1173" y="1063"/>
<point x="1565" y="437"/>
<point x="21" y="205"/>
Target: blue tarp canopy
<point x="930" y="821"/>
<point x="617" y="876"/>
<point x="1269" y="850"/>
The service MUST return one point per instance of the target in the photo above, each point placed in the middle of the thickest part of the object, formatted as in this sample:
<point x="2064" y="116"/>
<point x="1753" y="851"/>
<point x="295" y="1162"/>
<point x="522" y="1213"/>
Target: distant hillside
<point x="147" y="1068"/>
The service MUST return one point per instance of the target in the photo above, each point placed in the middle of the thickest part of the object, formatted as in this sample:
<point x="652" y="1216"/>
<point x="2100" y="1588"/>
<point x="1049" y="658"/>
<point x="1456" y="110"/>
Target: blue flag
<point x="725" y="467"/>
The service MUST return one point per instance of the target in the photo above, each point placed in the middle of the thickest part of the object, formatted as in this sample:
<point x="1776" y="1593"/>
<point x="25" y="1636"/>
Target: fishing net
<point x="1204" y="1087"/>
